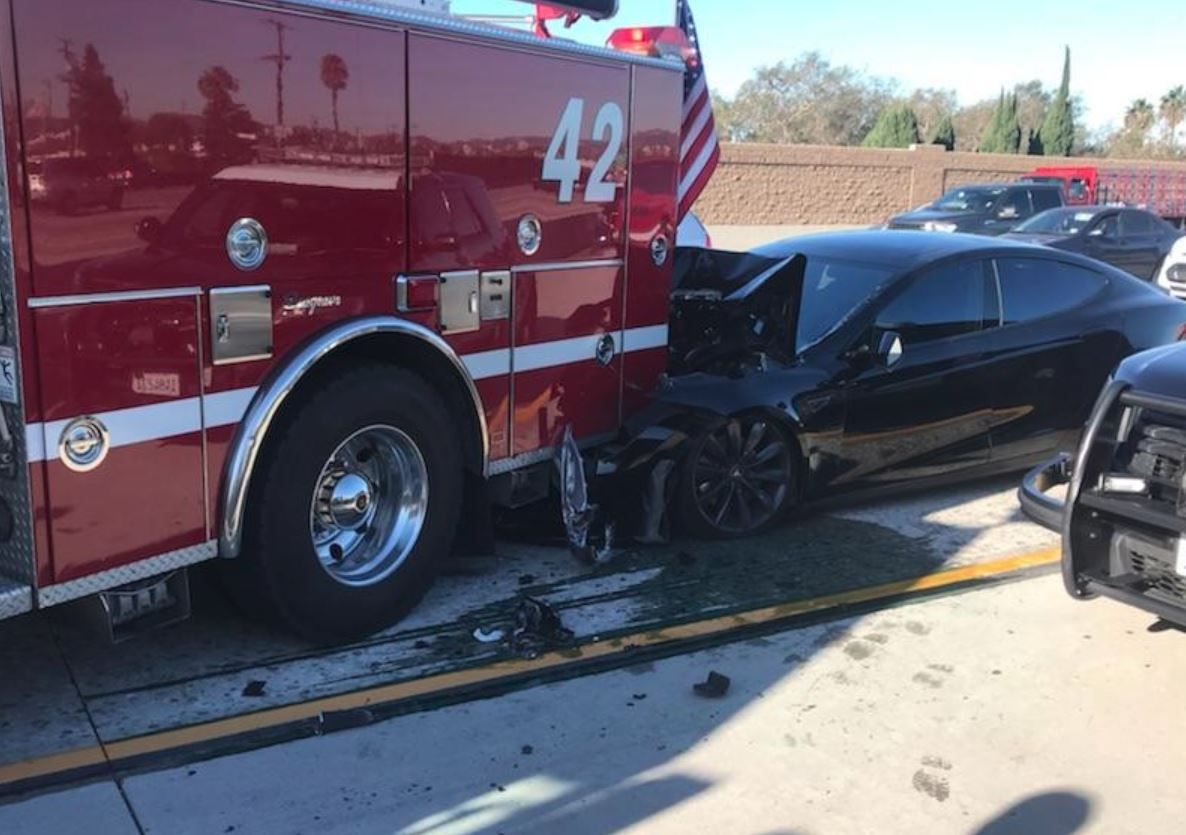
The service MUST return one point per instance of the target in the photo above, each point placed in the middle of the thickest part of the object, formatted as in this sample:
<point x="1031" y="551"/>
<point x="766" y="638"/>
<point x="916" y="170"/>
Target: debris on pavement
<point x="713" y="687"/>
<point x="489" y="636"/>
<point x="254" y="689"/>
<point x="538" y="628"/>
<point x="330" y="721"/>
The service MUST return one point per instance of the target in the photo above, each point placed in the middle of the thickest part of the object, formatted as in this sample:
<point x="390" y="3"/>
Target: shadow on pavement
<point x="1050" y="813"/>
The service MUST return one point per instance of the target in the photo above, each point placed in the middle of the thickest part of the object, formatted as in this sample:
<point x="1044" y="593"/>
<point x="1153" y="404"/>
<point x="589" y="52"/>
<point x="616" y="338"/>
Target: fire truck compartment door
<point x="518" y="167"/>
<point x="123" y="432"/>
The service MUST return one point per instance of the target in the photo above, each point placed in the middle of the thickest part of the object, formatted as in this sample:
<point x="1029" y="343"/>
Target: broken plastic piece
<point x="713" y="687"/>
<point x="656" y="529"/>
<point x="538" y="628"/>
<point x="489" y="636"/>
<point x="589" y="535"/>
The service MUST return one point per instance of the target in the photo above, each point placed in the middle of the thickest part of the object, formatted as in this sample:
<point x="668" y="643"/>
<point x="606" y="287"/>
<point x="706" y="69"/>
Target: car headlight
<point x="938" y="226"/>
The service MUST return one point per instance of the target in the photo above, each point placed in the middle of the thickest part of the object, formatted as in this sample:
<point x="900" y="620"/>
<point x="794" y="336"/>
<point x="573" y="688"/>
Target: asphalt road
<point x="1011" y="709"/>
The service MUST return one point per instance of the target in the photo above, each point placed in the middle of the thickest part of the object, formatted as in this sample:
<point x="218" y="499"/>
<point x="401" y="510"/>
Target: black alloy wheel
<point x="738" y="479"/>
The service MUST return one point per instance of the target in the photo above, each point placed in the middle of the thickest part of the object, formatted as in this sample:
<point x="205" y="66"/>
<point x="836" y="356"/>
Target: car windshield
<point x="833" y="290"/>
<point x="1057" y="222"/>
<point x="968" y="199"/>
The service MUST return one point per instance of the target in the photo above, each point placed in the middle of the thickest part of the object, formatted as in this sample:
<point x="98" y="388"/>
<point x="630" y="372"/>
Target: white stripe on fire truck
<point x="149" y="423"/>
<point x="496" y="363"/>
<point x="155" y="421"/>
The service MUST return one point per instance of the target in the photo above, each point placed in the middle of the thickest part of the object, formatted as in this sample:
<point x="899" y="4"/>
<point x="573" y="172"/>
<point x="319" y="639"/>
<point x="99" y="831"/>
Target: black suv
<point x="1123" y="520"/>
<point x="982" y="210"/>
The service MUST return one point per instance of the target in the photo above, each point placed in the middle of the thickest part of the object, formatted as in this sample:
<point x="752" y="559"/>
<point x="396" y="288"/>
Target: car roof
<point x="903" y="249"/>
<point x="1003" y="186"/>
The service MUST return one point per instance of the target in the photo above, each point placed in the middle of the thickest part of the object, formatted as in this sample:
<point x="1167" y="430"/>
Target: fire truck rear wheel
<point x="355" y="508"/>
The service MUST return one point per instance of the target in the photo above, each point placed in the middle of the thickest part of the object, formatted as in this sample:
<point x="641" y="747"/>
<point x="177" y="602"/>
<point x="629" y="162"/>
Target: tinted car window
<point x="832" y="290"/>
<point x="1014" y="204"/>
<point x="1045" y="198"/>
<point x="941" y="302"/>
<point x="1108" y="227"/>
<point x="1032" y="288"/>
<point x="1135" y="223"/>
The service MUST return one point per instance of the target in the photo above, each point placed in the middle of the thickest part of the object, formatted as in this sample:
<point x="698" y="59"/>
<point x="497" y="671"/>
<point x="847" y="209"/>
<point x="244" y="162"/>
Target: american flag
<point x="699" y="150"/>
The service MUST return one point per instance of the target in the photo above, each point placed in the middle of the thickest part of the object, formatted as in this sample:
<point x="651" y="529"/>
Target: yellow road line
<point x="162" y="741"/>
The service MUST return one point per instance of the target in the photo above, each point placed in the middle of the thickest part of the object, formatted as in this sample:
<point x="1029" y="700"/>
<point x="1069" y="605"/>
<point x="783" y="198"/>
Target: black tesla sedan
<point x="1132" y="239"/>
<point x="845" y="362"/>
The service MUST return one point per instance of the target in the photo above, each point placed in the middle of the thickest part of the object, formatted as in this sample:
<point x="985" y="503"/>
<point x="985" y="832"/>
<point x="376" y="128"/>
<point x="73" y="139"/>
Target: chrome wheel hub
<point x="369" y="505"/>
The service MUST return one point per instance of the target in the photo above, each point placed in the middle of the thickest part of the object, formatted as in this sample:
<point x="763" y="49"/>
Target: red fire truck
<point x="303" y="284"/>
<point x="1160" y="190"/>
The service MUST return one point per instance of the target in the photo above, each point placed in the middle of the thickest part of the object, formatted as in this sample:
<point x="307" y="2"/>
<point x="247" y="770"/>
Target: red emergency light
<point x="654" y="42"/>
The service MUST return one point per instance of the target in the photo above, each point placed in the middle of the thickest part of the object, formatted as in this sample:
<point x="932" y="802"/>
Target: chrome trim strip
<point x="123" y="296"/>
<point x="246" y="288"/>
<point x="274" y="391"/>
<point x="526" y="459"/>
<point x="199" y="323"/>
<point x="124" y="574"/>
<point x="456" y="26"/>
<point x="535" y="456"/>
<point x="555" y="266"/>
<point x="15" y="600"/>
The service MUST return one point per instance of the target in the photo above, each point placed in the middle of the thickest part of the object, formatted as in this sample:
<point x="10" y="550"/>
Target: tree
<point x="1173" y="112"/>
<point x="229" y="128"/>
<point x="334" y="75"/>
<point x="168" y="131"/>
<point x="897" y="127"/>
<point x="1057" y="135"/>
<point x="993" y="140"/>
<point x="807" y="101"/>
<point x="1132" y="140"/>
<point x="931" y="105"/>
<point x="1033" y="145"/>
<point x="945" y="134"/>
<point x="96" y="110"/>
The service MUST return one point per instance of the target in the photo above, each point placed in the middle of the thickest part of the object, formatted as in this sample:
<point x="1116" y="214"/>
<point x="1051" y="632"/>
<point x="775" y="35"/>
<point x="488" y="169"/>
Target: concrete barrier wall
<point x="793" y="185"/>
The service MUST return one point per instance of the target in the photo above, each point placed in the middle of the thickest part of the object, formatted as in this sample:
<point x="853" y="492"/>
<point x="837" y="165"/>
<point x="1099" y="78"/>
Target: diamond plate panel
<point x="15" y="599"/>
<point x="106" y="580"/>
<point x="16" y="551"/>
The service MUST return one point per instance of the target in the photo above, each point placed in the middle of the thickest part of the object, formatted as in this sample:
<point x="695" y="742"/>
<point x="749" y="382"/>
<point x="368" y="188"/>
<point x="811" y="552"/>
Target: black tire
<point x="279" y="575"/>
<point x="750" y="463"/>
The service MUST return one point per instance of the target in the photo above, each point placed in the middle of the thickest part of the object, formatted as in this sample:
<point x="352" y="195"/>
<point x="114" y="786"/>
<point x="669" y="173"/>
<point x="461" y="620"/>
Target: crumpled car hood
<point x="726" y="306"/>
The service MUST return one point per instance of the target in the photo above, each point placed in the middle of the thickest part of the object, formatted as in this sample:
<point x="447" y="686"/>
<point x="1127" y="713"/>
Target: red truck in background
<point x="1159" y="190"/>
<point x="366" y="263"/>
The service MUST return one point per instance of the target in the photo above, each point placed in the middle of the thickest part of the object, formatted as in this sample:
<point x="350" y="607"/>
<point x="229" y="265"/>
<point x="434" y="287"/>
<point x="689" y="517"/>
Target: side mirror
<point x="889" y="348"/>
<point x="149" y="229"/>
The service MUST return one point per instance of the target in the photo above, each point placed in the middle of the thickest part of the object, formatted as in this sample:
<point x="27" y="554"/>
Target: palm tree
<point x="1173" y="112"/>
<point x="1139" y="117"/>
<point x="334" y="75"/>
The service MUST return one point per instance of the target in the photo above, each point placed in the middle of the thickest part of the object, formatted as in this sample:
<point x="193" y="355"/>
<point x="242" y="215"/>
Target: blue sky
<point x="1119" y="51"/>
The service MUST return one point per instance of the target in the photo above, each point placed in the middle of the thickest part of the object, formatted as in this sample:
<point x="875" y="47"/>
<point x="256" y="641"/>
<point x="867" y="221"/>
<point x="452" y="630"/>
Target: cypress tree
<point x="990" y="140"/>
<point x="897" y="127"/>
<point x="1057" y="135"/>
<point x="945" y="134"/>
